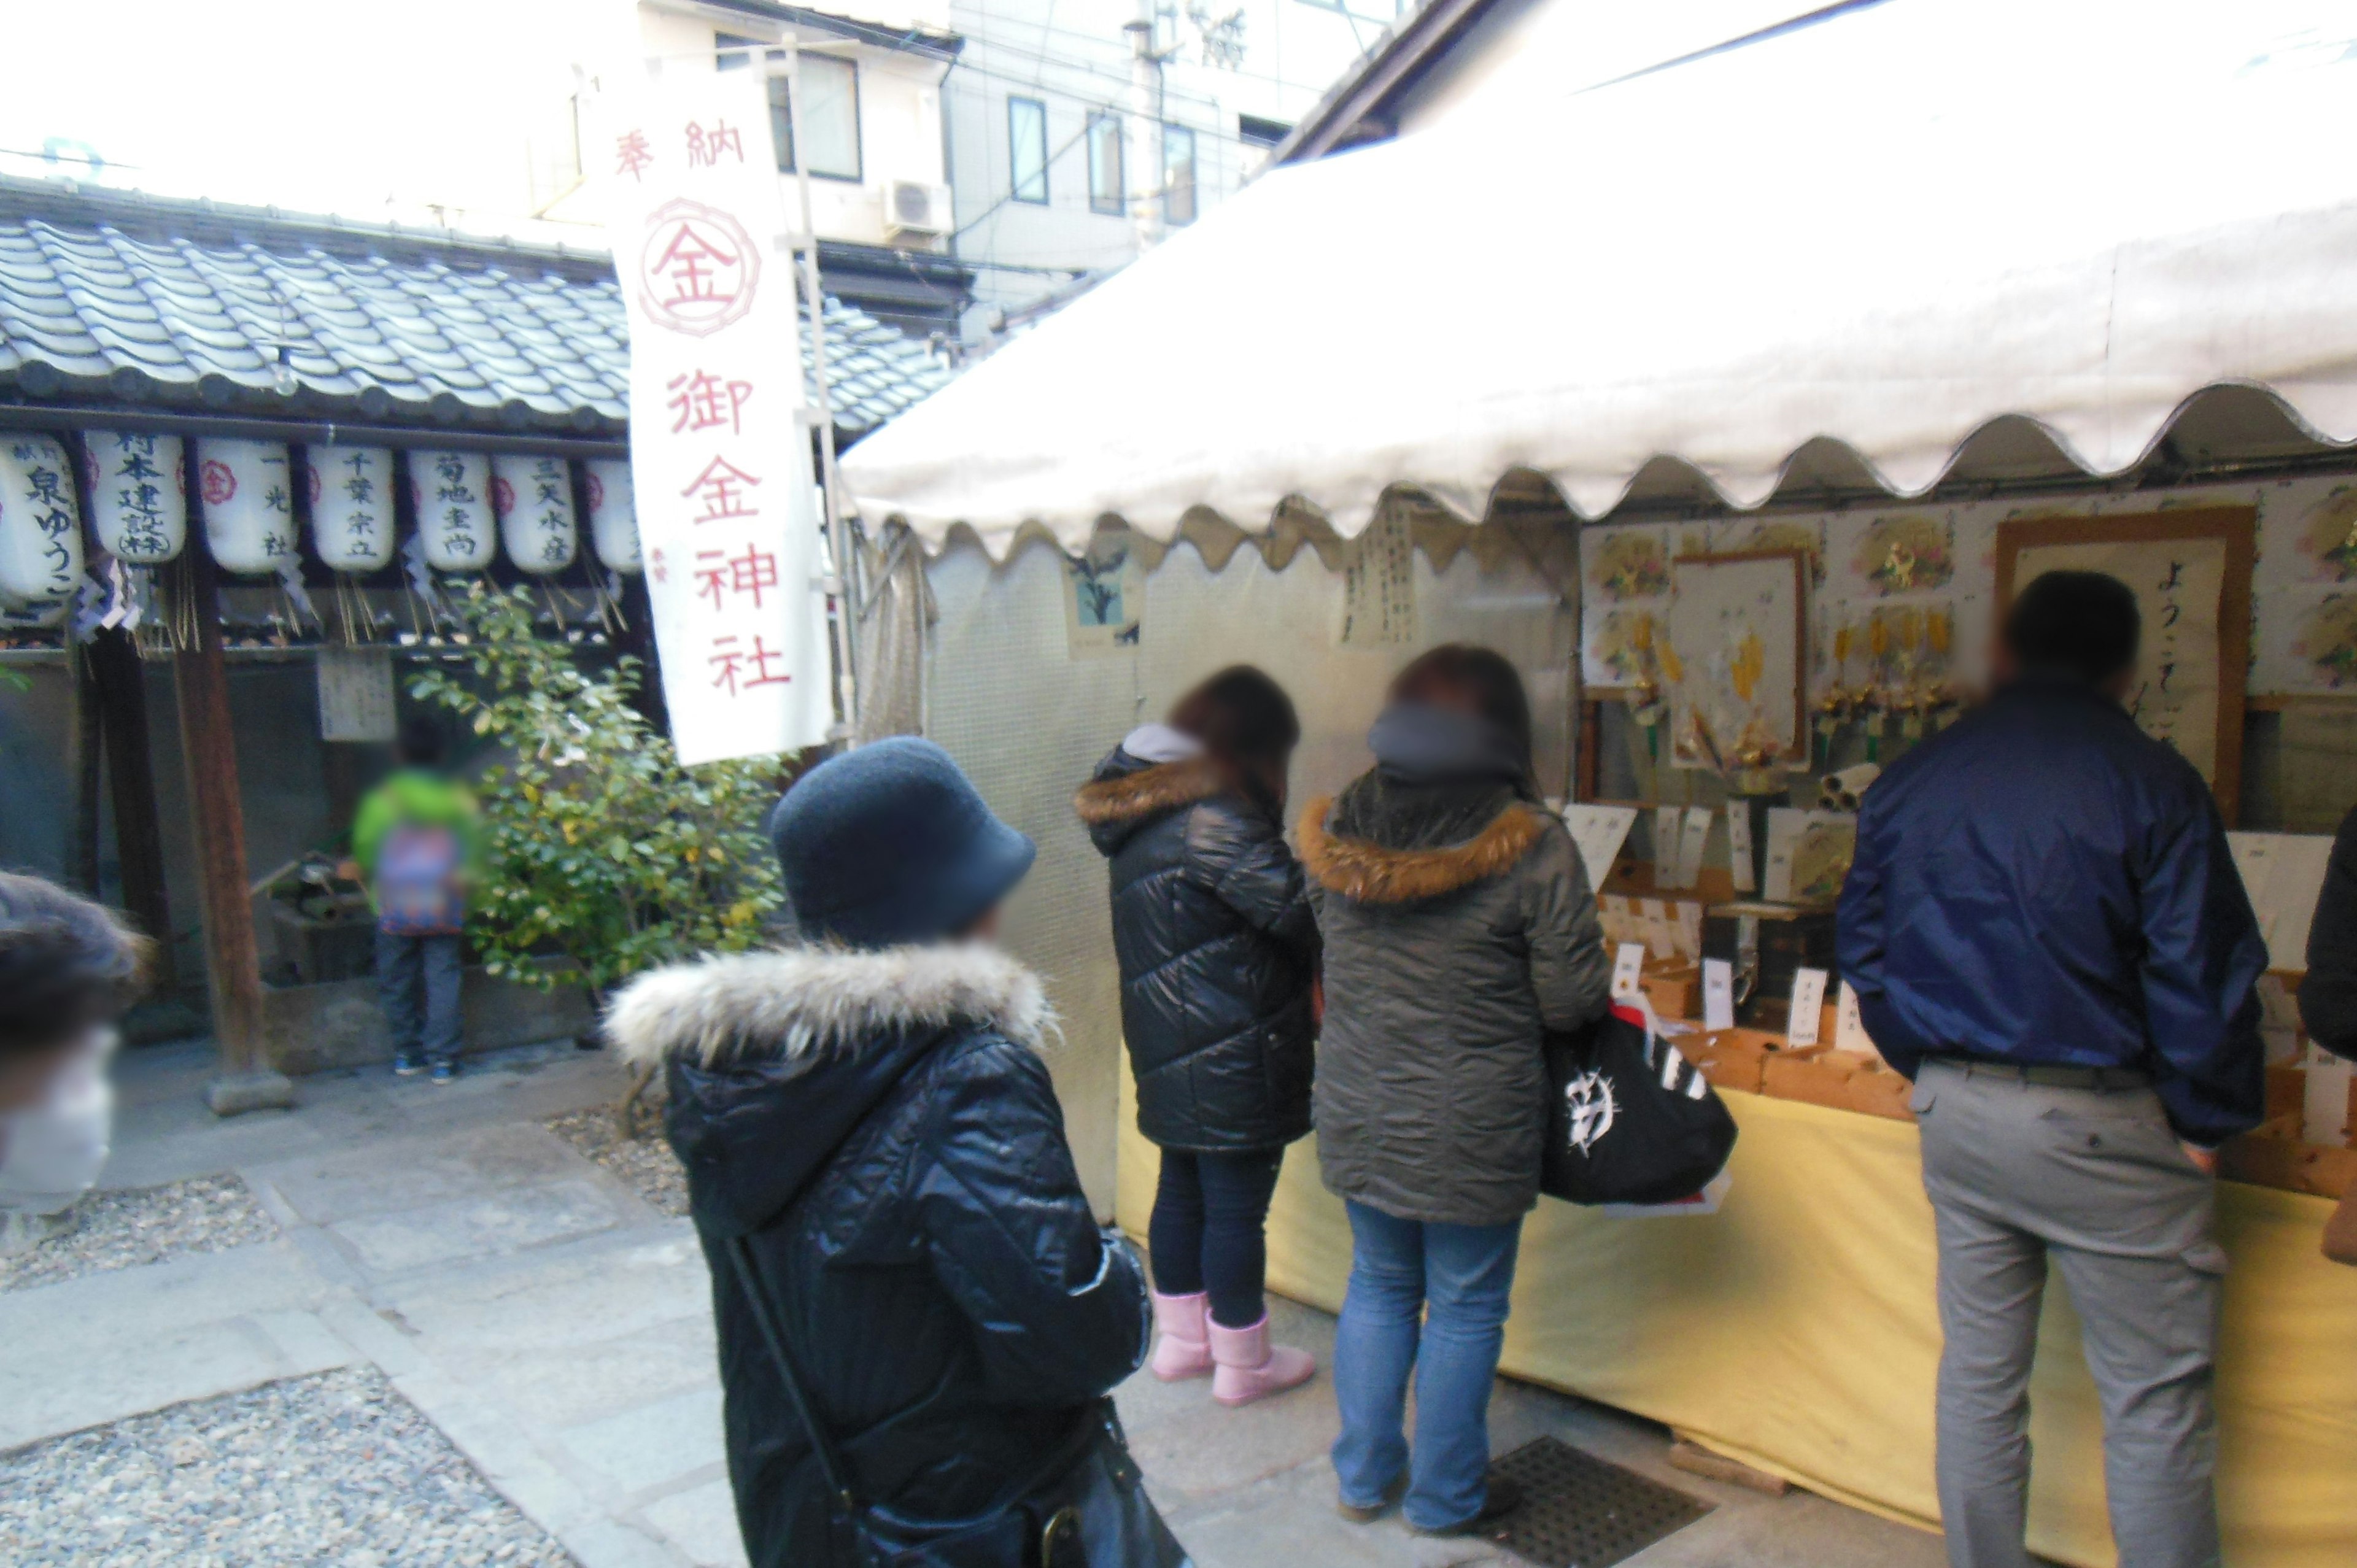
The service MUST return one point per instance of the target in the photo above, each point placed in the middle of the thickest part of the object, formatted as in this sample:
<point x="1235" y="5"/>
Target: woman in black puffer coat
<point x="1219" y="949"/>
<point x="878" y="1171"/>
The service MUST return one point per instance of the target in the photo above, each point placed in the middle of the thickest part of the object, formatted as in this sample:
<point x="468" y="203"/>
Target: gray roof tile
<point x="130" y="294"/>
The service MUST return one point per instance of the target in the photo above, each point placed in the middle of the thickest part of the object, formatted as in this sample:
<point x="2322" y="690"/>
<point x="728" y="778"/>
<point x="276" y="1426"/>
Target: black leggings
<point x="1206" y="1229"/>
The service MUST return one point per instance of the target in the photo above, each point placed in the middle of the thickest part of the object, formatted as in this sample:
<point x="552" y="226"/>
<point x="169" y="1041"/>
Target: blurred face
<point x="28" y="1078"/>
<point x="984" y="930"/>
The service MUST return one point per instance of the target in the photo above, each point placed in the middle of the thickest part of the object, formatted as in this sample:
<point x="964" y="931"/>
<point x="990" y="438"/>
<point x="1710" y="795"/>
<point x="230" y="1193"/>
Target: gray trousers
<point x="417" y="987"/>
<point x="2019" y="1174"/>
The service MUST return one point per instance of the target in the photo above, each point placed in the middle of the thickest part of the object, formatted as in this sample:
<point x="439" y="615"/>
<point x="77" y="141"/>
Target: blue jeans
<point x="417" y="987"/>
<point x="1206" y="1231"/>
<point x="1399" y="1269"/>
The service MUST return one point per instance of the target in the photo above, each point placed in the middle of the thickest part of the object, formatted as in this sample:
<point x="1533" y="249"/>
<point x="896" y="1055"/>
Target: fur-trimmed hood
<point x="816" y="1001"/>
<point x="1126" y="793"/>
<point x="1371" y="874"/>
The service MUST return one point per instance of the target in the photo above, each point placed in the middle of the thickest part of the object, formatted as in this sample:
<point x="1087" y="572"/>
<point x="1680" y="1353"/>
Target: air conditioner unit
<point x="917" y="210"/>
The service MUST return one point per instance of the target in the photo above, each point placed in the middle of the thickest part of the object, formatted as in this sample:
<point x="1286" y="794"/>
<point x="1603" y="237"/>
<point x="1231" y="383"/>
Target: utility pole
<point x="1144" y="174"/>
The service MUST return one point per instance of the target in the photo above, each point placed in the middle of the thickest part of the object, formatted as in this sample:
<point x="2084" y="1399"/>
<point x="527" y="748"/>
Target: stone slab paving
<point x="336" y="1468"/>
<point x="125" y="1229"/>
<point x="532" y="1292"/>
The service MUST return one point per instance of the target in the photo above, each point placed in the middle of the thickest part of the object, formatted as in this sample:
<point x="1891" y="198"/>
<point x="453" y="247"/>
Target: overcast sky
<point x="320" y="105"/>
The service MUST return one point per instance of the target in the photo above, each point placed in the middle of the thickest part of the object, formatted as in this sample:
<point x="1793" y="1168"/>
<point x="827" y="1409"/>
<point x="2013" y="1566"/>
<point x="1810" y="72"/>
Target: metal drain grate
<point x="1581" y="1512"/>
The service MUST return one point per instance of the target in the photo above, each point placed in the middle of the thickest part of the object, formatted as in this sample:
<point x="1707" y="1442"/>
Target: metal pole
<point x="836" y="524"/>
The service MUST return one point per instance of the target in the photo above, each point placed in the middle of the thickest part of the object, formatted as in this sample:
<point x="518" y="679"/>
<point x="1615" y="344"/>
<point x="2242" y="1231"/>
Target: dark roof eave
<point x="1396" y="64"/>
<point x="910" y="40"/>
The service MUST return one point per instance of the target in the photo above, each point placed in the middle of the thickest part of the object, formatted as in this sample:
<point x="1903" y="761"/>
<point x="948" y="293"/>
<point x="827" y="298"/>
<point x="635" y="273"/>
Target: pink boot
<point x="1179" y="1349"/>
<point x="1250" y="1368"/>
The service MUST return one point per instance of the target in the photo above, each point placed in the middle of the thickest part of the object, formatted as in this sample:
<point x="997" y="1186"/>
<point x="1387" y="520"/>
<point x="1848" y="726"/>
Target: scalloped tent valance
<point x="1875" y="244"/>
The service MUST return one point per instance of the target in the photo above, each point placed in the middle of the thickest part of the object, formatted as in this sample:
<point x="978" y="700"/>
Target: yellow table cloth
<point x="1797" y="1330"/>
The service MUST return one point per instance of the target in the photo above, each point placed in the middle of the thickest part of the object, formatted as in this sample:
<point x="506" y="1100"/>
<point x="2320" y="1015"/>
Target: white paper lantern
<point x="41" y="531"/>
<point x="350" y="489"/>
<point x="534" y="496"/>
<point x="451" y="493"/>
<point x="248" y="494"/>
<point x="613" y="515"/>
<point x="139" y="494"/>
<point x="42" y="615"/>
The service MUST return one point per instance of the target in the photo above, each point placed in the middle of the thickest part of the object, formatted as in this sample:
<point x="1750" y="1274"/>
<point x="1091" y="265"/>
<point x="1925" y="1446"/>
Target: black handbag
<point x="1630" y="1120"/>
<point x="1082" y="1506"/>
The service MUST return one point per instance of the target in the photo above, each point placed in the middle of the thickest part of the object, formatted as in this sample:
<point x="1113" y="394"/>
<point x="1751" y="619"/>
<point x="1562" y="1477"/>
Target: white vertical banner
<point x="720" y="465"/>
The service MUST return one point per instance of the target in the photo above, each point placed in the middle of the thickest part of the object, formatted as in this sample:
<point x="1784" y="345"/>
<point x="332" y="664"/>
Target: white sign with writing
<point x="1717" y="994"/>
<point x="1849" y="1026"/>
<point x="356" y="694"/>
<point x="1739" y="847"/>
<point x="1660" y="932"/>
<point x="1689" y="928"/>
<point x="720" y="462"/>
<point x="1692" y="844"/>
<point x="1808" y="1007"/>
<point x="1669" y="842"/>
<point x="1628" y="970"/>
<point x="1600" y="832"/>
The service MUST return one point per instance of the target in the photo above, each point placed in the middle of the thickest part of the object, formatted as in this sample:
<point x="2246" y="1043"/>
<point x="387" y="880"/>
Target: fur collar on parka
<point x="1125" y="798"/>
<point x="817" y="1000"/>
<point x="1371" y="874"/>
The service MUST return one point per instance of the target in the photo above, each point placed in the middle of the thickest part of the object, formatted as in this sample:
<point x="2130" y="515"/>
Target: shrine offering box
<point x="1767" y="943"/>
<point x="1676" y="991"/>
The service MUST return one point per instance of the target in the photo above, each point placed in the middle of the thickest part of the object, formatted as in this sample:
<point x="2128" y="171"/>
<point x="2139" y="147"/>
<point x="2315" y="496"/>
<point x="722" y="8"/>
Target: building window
<point x="1026" y="149"/>
<point x="1106" y="192"/>
<point x="1177" y="174"/>
<point x="831" y="118"/>
<point x="1255" y="132"/>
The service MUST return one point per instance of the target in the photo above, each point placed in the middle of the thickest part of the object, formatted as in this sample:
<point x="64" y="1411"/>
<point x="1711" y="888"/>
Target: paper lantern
<point x="40" y="532"/>
<point x="41" y="615"/>
<point x="350" y="489"/>
<point x="248" y="489"/>
<point x="534" y="496"/>
<point x="613" y="515"/>
<point x="451" y="493"/>
<point x="139" y="494"/>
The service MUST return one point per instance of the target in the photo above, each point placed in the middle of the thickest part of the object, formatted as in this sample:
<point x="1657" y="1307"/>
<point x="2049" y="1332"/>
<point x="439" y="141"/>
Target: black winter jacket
<point x="2328" y="996"/>
<point x="880" y="1126"/>
<point x="1218" y="948"/>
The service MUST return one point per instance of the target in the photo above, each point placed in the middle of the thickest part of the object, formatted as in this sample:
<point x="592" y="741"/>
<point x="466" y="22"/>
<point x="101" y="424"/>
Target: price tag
<point x="1849" y="1026"/>
<point x="1620" y="918"/>
<point x="1808" y="1005"/>
<point x="1661" y="933"/>
<point x="1691" y="845"/>
<point x="1668" y="846"/>
<point x="1628" y="970"/>
<point x="1717" y="994"/>
<point x="1739" y="847"/>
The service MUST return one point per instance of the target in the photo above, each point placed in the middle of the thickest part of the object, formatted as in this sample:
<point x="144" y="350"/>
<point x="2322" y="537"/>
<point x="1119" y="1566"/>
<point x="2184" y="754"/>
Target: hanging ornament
<point x="534" y="497"/>
<point x="613" y="515"/>
<point x="139" y="494"/>
<point x="249" y="494"/>
<point x="451" y="493"/>
<point x="350" y="489"/>
<point x="40" y="532"/>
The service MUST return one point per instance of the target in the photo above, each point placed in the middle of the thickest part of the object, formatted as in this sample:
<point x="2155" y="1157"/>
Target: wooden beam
<point x="122" y="689"/>
<point x="82" y="845"/>
<point x="217" y="815"/>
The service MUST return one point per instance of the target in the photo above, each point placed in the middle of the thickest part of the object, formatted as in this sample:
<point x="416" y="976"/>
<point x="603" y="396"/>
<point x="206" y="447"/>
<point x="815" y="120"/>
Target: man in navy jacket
<point x="2046" y="931"/>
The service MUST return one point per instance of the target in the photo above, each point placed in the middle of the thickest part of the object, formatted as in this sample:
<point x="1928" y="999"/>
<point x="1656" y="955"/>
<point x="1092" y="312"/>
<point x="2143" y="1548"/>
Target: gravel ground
<point x="332" y="1471"/>
<point x="647" y="1163"/>
<point x="147" y="1225"/>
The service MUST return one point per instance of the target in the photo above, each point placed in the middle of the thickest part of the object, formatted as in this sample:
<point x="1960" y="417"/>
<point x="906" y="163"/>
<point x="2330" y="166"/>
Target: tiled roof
<point x="121" y="298"/>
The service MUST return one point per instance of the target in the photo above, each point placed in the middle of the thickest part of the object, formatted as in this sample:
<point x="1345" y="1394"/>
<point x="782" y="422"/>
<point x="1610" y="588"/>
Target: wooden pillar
<point x="81" y="842"/>
<point x="232" y="962"/>
<point x="122" y="694"/>
<point x="638" y="640"/>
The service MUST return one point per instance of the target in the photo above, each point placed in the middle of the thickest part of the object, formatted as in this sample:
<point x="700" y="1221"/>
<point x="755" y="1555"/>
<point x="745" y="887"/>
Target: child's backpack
<point x="417" y="884"/>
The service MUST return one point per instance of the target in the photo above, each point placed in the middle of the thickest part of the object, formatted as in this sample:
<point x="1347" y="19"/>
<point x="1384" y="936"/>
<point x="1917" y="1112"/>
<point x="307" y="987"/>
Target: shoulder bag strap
<point x="830" y="1461"/>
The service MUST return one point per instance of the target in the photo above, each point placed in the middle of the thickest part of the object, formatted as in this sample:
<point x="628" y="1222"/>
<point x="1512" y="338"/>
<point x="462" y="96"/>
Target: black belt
<point x="2052" y="1075"/>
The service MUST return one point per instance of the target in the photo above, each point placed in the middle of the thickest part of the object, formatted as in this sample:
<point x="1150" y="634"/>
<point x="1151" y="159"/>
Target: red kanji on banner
<point x="748" y="573"/>
<point x="721" y="489"/>
<point x="217" y="481"/>
<point x="697" y="269"/>
<point x="657" y="567"/>
<point x="632" y="153"/>
<point x="705" y="401"/>
<point x="705" y="147"/>
<point x="745" y="670"/>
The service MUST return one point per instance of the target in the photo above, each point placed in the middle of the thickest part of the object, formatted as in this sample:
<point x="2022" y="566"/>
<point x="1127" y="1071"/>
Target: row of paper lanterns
<point x="466" y="504"/>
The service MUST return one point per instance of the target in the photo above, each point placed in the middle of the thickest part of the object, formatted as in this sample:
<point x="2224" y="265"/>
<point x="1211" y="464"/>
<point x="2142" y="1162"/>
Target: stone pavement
<point x="557" y="1329"/>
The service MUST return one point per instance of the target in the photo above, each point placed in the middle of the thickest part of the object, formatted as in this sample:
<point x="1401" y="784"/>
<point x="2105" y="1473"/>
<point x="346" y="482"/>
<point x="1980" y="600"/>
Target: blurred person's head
<point x="1246" y="723"/>
<point x="419" y="742"/>
<point x="1456" y="710"/>
<point x="891" y="845"/>
<point x="68" y="968"/>
<point x="2075" y="626"/>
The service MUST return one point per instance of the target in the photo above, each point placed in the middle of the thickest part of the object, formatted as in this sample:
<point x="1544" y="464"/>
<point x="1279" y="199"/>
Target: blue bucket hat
<point x="891" y="843"/>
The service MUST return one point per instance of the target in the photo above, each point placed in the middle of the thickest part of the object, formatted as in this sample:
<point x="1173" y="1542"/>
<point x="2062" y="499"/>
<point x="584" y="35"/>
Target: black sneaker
<point x="446" y="1072"/>
<point x="408" y="1063"/>
<point x="1505" y="1497"/>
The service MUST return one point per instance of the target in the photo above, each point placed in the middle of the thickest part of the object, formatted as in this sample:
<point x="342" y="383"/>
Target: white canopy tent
<point x="1885" y="230"/>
